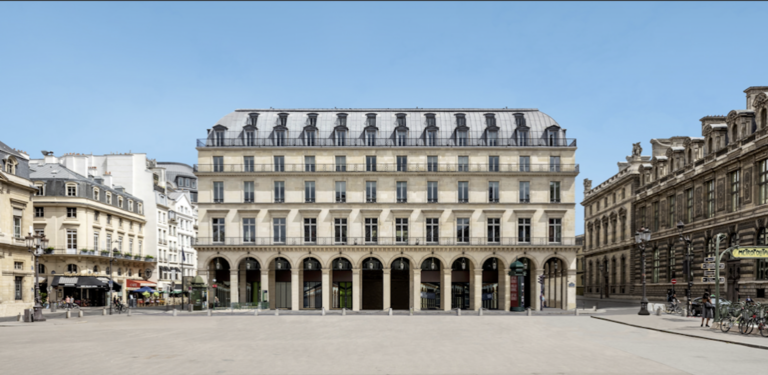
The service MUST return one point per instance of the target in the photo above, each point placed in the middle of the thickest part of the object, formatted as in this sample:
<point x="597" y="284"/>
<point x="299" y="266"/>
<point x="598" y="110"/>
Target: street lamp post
<point x="641" y="237"/>
<point x="687" y="266"/>
<point x="109" y="274"/>
<point x="35" y="245"/>
<point x="600" y="277"/>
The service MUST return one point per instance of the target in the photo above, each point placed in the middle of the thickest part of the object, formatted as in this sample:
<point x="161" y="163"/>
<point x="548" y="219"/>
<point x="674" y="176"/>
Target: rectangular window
<point x="71" y="239"/>
<point x="278" y="230"/>
<point x="309" y="164"/>
<point x="249" y="230"/>
<point x="370" y="191"/>
<point x="310" y="230"/>
<point x="71" y="190"/>
<point x="279" y="162"/>
<point x="371" y="230"/>
<point x="493" y="192"/>
<point x="248" y="192"/>
<point x="310" y="137"/>
<point x="218" y="230"/>
<point x="402" y="192"/>
<point x="433" y="230"/>
<point x="248" y="165"/>
<point x="524" y="230"/>
<point x="17" y="227"/>
<point x="671" y="223"/>
<point x="431" y="191"/>
<point x="109" y="241"/>
<point x="689" y="205"/>
<point x="735" y="189"/>
<point x="555" y="230"/>
<point x="341" y="138"/>
<point x="642" y="217"/>
<point x="655" y="216"/>
<point x="431" y="138"/>
<point x="763" y="183"/>
<point x="554" y="164"/>
<point x="370" y="164"/>
<point x="341" y="191"/>
<point x="710" y="186"/>
<point x="493" y="164"/>
<point x="40" y="212"/>
<point x="494" y="230"/>
<point x="340" y="230"/>
<point x="218" y="191"/>
<point x="656" y="265"/>
<point x="461" y="137"/>
<point x="341" y="163"/>
<point x="72" y="212"/>
<point x="96" y="241"/>
<point x="463" y="191"/>
<point x="402" y="163"/>
<point x="401" y="230"/>
<point x="402" y="138"/>
<point x="554" y="192"/>
<point x="17" y="287"/>
<point x="280" y="138"/>
<point x="431" y="163"/>
<point x="462" y="230"/>
<point x="250" y="138"/>
<point x="279" y="191"/>
<point x="370" y="138"/>
<point x="309" y="192"/>
<point x="463" y="164"/>
<point x="525" y="164"/>
<point x="218" y="164"/>
<point x="525" y="191"/>
<point x="493" y="137"/>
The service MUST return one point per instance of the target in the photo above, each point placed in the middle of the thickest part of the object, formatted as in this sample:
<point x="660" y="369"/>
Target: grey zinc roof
<point x="385" y="119"/>
<point x="54" y="170"/>
<point x="7" y="149"/>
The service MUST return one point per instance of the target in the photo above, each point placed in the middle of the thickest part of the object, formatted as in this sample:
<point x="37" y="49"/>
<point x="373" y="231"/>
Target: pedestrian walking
<point x="68" y="301"/>
<point x="708" y="310"/>
<point x="543" y="300"/>
<point x="215" y="301"/>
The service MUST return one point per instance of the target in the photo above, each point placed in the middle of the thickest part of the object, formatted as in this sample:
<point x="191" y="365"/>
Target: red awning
<point x="136" y="284"/>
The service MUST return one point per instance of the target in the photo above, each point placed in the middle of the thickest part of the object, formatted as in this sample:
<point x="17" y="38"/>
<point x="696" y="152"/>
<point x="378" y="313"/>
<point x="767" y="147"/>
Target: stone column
<point x="504" y="290"/>
<point x="271" y="290"/>
<point x="445" y="292"/>
<point x="234" y="287"/>
<point x="295" y="289"/>
<point x="570" y="295"/>
<point x="416" y="287"/>
<point x="536" y="288"/>
<point x="326" y="288"/>
<point x="356" y="289"/>
<point x="477" y="288"/>
<point x="387" y="288"/>
<point x="124" y="298"/>
<point x="243" y="282"/>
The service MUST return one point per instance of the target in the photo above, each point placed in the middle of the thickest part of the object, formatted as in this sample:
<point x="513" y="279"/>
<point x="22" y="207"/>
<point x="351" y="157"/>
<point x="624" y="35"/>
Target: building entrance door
<point x="342" y="295"/>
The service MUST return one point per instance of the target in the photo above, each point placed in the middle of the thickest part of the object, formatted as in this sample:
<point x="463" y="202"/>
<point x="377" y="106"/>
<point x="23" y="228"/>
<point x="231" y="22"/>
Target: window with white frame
<point x="433" y="230"/>
<point x="71" y="190"/>
<point x="462" y="230"/>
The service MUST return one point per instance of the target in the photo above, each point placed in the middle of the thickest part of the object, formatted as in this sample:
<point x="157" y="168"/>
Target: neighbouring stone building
<point x="16" y="262"/>
<point x="713" y="183"/>
<point x="372" y="209"/>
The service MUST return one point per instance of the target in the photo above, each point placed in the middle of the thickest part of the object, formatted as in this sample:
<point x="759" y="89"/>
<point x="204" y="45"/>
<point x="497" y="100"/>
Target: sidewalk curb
<point x="683" y="334"/>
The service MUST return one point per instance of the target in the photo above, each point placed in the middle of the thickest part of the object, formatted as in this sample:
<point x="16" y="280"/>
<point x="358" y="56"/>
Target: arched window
<point x="735" y="133"/>
<point x="11" y="165"/>
<point x="72" y="268"/>
<point x="95" y="269"/>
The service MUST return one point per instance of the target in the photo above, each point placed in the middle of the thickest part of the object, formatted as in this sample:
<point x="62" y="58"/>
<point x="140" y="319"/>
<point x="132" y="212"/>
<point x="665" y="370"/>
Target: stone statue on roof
<point x="587" y="185"/>
<point x="636" y="149"/>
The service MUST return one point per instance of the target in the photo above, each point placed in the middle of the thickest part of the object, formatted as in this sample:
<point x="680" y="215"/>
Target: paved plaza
<point x="157" y="342"/>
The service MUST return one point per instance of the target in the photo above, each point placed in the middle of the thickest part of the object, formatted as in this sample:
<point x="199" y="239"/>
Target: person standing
<point x="707" y="310"/>
<point x="543" y="300"/>
<point x="68" y="302"/>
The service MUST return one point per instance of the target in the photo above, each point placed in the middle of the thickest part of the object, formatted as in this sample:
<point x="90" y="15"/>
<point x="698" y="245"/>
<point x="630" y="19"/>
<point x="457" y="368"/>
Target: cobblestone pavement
<point x="156" y="342"/>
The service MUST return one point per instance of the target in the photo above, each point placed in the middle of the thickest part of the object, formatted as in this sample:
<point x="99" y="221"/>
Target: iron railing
<point x="388" y="167"/>
<point x="98" y="253"/>
<point x="384" y="241"/>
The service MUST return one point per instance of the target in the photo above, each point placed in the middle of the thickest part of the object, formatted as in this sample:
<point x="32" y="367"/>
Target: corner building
<point x="371" y="209"/>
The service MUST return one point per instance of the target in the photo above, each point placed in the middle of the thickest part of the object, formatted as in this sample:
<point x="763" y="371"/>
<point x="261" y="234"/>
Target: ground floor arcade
<point x="442" y="278"/>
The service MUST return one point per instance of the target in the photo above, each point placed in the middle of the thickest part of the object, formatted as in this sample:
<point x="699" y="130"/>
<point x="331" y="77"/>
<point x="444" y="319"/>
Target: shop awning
<point x="84" y="282"/>
<point x="136" y="284"/>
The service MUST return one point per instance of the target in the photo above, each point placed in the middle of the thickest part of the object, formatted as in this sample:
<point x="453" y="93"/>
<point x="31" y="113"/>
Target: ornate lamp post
<point x="641" y="237"/>
<point x="35" y="245"/>
<point x="687" y="266"/>
<point x="111" y="260"/>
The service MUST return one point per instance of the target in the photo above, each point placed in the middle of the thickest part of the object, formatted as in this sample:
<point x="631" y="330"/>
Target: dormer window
<point x="120" y="202"/>
<point x="370" y="119"/>
<point x="552" y="136"/>
<point x="492" y="137"/>
<point x="252" y="119"/>
<point x="341" y="119"/>
<point x="431" y="137"/>
<point x="250" y="137"/>
<point x="312" y="119"/>
<point x="40" y="188"/>
<point x="11" y="165"/>
<point x="461" y="137"/>
<point x="402" y="137"/>
<point x="96" y="193"/>
<point x="461" y="120"/>
<point x="519" y="119"/>
<point x="490" y="120"/>
<point x="400" y="120"/>
<point x="431" y="121"/>
<point x="109" y="198"/>
<point x="279" y="137"/>
<point x="341" y="137"/>
<point x="141" y="211"/>
<point x="130" y="205"/>
<point x="370" y="137"/>
<point x="282" y="119"/>
<point x="71" y="190"/>
<point x="219" y="137"/>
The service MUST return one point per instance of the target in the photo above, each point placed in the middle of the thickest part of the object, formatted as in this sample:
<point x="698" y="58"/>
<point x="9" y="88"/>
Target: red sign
<point x="674" y="281"/>
<point x="213" y="286"/>
<point x="514" y="301"/>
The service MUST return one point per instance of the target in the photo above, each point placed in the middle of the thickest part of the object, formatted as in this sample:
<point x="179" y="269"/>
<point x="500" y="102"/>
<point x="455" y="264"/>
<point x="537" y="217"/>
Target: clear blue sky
<point x="152" y="77"/>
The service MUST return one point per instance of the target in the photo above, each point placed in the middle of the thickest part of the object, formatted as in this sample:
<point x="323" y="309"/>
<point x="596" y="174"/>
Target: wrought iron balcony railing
<point x="384" y="241"/>
<point x="388" y="167"/>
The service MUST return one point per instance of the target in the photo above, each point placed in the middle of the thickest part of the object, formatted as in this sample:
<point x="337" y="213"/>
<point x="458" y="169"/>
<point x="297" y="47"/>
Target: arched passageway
<point x="373" y="284"/>
<point x="492" y="287"/>
<point x="431" y="275"/>
<point x="282" y="280"/>
<point x="249" y="270"/>
<point x="400" y="289"/>
<point x="555" y="283"/>
<point x="220" y="269"/>
<point x="312" y="284"/>
<point x="460" y="284"/>
<point x="341" y="281"/>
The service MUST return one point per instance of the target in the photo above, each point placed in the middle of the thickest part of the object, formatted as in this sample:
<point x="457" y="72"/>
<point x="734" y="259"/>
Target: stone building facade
<point x="372" y="209"/>
<point x="16" y="262"/>
<point x="715" y="183"/>
<point x="88" y="222"/>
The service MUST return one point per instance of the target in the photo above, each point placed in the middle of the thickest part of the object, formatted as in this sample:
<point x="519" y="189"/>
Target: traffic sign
<point x="712" y="280"/>
<point x="711" y="266"/>
<point x="674" y="281"/>
<point x="709" y="259"/>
